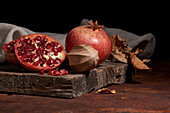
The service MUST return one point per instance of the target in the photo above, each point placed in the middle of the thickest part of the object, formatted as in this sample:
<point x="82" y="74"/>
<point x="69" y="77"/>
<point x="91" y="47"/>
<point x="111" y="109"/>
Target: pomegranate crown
<point x="95" y="26"/>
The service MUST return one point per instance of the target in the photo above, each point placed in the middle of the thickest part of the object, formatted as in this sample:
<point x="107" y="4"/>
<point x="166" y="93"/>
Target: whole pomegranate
<point x="39" y="52"/>
<point x="90" y="34"/>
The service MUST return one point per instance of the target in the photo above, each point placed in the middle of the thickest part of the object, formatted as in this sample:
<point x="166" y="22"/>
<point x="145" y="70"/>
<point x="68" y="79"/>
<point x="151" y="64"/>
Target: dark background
<point x="139" y="18"/>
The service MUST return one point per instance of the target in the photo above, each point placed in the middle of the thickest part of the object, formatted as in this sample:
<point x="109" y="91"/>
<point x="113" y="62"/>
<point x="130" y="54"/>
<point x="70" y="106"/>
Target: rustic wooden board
<point x="19" y="80"/>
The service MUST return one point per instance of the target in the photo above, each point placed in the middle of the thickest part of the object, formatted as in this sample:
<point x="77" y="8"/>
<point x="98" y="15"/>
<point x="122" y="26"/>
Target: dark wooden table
<point x="149" y="92"/>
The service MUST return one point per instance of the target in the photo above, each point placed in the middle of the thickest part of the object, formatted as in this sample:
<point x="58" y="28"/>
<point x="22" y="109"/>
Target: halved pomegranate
<point x="10" y="53"/>
<point x="39" y="51"/>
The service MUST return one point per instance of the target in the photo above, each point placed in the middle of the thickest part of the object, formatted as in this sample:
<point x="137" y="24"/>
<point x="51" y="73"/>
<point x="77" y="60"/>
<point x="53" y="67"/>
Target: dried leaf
<point x="83" y="57"/>
<point x="122" y="52"/>
<point x="120" y="56"/>
<point x="95" y="26"/>
<point x="119" y="46"/>
<point x="137" y="63"/>
<point x="138" y="51"/>
<point x="91" y="24"/>
<point x="105" y="91"/>
<point x="146" y="60"/>
<point x="119" y="43"/>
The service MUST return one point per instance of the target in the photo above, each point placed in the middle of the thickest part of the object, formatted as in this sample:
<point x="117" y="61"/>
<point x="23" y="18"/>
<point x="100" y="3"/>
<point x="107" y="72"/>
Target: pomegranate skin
<point x="98" y="39"/>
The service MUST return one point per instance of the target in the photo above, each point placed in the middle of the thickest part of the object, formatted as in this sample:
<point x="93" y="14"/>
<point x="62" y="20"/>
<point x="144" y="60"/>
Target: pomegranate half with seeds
<point x="9" y="53"/>
<point x="39" y="51"/>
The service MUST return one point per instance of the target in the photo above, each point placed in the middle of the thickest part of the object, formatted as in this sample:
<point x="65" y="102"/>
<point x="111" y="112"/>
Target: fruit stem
<point x="95" y="26"/>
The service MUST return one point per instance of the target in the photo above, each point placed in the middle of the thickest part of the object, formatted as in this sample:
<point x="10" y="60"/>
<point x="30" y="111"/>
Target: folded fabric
<point x="9" y="32"/>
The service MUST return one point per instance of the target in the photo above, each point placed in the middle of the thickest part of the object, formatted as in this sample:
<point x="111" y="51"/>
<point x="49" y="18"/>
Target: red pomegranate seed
<point x="58" y="49"/>
<point x="57" y="73"/>
<point x="57" y="60"/>
<point x="45" y="52"/>
<point x="34" y="56"/>
<point x="43" y="60"/>
<point x="20" y="48"/>
<point x="33" y="46"/>
<point x="9" y="47"/>
<point x="30" y="49"/>
<point x="50" y="61"/>
<point x="48" y="46"/>
<point x="52" y="72"/>
<point x="41" y="71"/>
<point x="29" y="54"/>
<point x="51" y="65"/>
<point x="29" y="41"/>
<point x="20" y="53"/>
<point x="30" y="60"/>
<point x="54" y="44"/>
<point x="63" y="72"/>
<point x="24" y="59"/>
<point x="44" y="41"/>
<point x="37" y="38"/>
<point x="55" y="53"/>
<point x="36" y="63"/>
<point x="23" y="40"/>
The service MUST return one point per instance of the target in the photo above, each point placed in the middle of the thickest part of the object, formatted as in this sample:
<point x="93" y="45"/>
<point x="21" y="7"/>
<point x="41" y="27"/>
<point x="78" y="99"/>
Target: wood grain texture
<point x="18" y="80"/>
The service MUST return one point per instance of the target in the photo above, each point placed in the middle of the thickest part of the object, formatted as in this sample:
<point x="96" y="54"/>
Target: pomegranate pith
<point x="90" y="34"/>
<point x="39" y="51"/>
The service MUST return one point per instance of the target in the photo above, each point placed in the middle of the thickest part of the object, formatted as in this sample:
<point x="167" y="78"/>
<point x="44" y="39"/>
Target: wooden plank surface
<point x="149" y="92"/>
<point x="19" y="80"/>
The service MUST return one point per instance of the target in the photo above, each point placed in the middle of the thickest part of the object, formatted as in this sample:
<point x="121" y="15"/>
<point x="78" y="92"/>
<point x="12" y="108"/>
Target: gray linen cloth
<point x="9" y="32"/>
